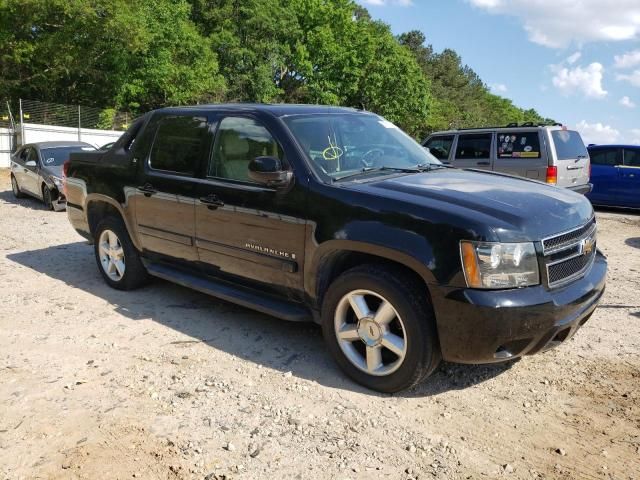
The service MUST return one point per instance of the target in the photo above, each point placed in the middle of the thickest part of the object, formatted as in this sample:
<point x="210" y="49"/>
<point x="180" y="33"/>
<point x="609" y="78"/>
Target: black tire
<point x="412" y="305"/>
<point x="47" y="197"/>
<point x="135" y="275"/>
<point x="16" y="188"/>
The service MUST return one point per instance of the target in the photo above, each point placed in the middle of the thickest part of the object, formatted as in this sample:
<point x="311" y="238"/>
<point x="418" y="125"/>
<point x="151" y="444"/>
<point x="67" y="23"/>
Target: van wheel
<point x="16" y="188"/>
<point x="46" y="197"/>
<point x="380" y="328"/>
<point x="118" y="260"/>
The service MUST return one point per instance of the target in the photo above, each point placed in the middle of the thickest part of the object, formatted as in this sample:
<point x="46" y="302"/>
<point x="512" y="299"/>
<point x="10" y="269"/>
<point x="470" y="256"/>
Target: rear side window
<point x="604" y="157"/>
<point x="180" y="144"/>
<point x="474" y="146"/>
<point x="569" y="144"/>
<point x="440" y="147"/>
<point x="518" y="145"/>
<point x="631" y="157"/>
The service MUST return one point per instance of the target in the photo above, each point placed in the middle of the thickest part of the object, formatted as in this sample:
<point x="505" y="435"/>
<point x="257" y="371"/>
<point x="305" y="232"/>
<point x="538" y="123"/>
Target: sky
<point x="576" y="61"/>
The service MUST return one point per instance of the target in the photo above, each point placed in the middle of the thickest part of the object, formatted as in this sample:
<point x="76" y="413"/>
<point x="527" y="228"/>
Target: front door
<point x="166" y="191"/>
<point x="245" y="230"/>
<point x="630" y="178"/>
<point x="605" y="175"/>
<point x="473" y="150"/>
<point x="30" y="176"/>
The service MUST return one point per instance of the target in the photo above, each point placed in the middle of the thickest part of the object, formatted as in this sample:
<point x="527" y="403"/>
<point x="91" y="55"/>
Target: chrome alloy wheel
<point x="111" y="255"/>
<point x="370" y="332"/>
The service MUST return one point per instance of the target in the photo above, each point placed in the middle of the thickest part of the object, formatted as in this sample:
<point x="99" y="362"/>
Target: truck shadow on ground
<point x="27" y="201"/>
<point x="258" y="338"/>
<point x="633" y="242"/>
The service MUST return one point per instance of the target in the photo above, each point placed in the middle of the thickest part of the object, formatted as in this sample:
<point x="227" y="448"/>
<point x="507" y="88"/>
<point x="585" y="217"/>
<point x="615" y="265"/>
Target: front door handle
<point x="212" y="202"/>
<point x="483" y="164"/>
<point x="147" y="189"/>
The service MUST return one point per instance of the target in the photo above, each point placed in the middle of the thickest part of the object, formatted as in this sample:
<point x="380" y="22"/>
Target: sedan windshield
<point x="344" y="145"/>
<point x="56" y="156"/>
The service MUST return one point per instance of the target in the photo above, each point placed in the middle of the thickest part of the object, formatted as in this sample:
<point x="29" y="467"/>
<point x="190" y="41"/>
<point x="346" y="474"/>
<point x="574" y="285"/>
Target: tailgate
<point x="571" y="156"/>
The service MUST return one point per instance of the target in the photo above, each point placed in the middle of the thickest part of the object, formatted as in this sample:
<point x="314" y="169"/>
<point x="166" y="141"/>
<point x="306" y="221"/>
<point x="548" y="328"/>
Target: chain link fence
<point x="76" y="116"/>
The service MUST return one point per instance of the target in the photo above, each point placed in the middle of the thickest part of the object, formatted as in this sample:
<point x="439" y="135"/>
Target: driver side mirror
<point x="269" y="171"/>
<point x="30" y="163"/>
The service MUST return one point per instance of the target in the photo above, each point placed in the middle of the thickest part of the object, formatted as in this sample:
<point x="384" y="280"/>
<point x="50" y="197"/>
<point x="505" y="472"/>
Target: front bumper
<point x="487" y="326"/>
<point x="583" y="189"/>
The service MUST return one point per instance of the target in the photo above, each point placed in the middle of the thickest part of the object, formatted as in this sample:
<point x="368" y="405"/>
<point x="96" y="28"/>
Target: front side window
<point x="631" y="157"/>
<point x="473" y="146"/>
<point x="340" y="145"/>
<point x="569" y="144"/>
<point x="32" y="155"/>
<point x="180" y="143"/>
<point x="440" y="147"/>
<point x="518" y="145"/>
<point x="604" y="157"/>
<point x="238" y="142"/>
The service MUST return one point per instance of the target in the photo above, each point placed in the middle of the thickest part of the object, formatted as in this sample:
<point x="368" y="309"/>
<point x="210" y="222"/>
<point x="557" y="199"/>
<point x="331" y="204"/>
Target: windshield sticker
<point x="332" y="152"/>
<point x="49" y="160"/>
<point x="387" y="124"/>
<point x="528" y="148"/>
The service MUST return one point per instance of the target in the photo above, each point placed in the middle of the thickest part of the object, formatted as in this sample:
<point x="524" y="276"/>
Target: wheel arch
<point x="100" y="206"/>
<point x="343" y="255"/>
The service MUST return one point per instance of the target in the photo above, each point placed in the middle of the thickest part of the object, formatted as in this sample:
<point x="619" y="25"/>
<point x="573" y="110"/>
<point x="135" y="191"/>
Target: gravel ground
<point x="168" y="383"/>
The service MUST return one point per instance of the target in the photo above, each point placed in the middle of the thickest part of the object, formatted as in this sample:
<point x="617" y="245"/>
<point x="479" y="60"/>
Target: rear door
<point x="570" y="156"/>
<point x="440" y="147"/>
<point x="519" y="153"/>
<point x="605" y="175"/>
<point x="166" y="192"/>
<point x="474" y="150"/>
<point x="629" y="195"/>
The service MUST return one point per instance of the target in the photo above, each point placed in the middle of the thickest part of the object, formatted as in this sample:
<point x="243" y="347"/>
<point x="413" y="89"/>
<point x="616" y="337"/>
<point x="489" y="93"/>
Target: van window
<point x="569" y="144"/>
<point x="518" y="145"/>
<point x="440" y="146"/>
<point x="607" y="156"/>
<point x="632" y="157"/>
<point x="179" y="145"/>
<point x="474" y="146"/>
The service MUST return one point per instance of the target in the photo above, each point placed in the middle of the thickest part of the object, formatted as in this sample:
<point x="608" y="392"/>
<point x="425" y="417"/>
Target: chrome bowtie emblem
<point x="586" y="246"/>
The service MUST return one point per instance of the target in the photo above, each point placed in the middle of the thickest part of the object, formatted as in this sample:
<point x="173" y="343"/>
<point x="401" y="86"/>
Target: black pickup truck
<point x="335" y="215"/>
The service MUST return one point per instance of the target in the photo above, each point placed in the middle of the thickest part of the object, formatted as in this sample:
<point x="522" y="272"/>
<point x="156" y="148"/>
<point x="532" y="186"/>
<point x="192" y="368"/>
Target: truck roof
<point x="278" y="110"/>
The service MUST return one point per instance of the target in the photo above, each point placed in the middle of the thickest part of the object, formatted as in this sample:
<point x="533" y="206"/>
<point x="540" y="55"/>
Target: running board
<point x="231" y="293"/>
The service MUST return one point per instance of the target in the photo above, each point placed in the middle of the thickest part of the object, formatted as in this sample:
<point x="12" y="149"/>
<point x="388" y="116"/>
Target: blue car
<point x="615" y="174"/>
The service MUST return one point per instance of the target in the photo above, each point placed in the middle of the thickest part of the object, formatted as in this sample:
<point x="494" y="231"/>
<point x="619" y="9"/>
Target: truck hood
<point x="515" y="209"/>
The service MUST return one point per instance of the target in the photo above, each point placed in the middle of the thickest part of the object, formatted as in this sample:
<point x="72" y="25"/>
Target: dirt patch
<point x="169" y="383"/>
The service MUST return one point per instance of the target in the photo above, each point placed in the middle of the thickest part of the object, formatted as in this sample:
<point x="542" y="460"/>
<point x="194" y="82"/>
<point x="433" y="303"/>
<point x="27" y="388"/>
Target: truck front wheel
<point x="380" y="328"/>
<point x="118" y="260"/>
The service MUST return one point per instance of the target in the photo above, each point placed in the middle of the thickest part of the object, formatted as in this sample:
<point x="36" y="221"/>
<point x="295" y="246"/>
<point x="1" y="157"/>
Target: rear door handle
<point x="212" y="202"/>
<point x="484" y="164"/>
<point x="147" y="189"/>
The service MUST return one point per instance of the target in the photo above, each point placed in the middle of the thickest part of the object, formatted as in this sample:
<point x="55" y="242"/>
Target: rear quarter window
<point x="568" y="144"/>
<point x="518" y="145"/>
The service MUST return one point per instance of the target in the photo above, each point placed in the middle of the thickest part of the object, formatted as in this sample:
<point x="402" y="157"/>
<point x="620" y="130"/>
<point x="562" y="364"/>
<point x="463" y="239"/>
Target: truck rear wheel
<point x="380" y="328"/>
<point x="118" y="260"/>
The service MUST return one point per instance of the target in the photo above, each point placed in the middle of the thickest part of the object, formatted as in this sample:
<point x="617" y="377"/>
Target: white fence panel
<point x="5" y="147"/>
<point x="34" y="132"/>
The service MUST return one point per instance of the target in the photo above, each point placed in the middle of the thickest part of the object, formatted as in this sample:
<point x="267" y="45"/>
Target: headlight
<point x="57" y="181"/>
<point x="499" y="265"/>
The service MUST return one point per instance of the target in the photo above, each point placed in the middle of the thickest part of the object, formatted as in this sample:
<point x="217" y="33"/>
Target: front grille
<point x="568" y="239"/>
<point x="568" y="269"/>
<point x="569" y="255"/>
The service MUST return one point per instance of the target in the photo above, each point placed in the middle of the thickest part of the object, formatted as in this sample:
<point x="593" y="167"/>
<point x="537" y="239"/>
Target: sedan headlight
<point x="491" y="265"/>
<point x="58" y="182"/>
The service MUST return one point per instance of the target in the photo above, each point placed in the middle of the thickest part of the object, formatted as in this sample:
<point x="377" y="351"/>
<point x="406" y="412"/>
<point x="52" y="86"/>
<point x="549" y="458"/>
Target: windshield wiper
<point x="366" y="170"/>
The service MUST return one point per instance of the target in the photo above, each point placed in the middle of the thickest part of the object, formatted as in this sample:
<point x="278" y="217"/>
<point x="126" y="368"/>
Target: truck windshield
<point x="56" y="156"/>
<point x="569" y="144"/>
<point x="343" y="144"/>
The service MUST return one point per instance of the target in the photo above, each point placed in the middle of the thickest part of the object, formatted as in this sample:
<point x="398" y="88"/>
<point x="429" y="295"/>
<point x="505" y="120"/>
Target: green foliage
<point x="142" y="54"/>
